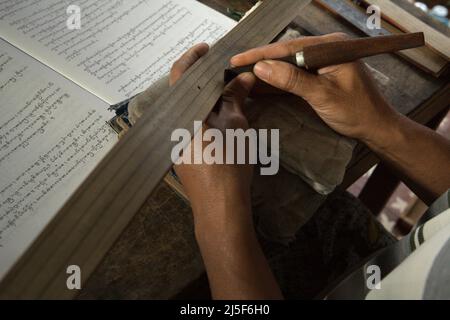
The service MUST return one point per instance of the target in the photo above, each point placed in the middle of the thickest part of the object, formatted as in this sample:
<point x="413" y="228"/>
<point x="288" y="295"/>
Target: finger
<point x="262" y="88"/>
<point x="287" y="77"/>
<point x="282" y="49"/>
<point x="237" y="91"/>
<point x="186" y="61"/>
<point x="229" y="114"/>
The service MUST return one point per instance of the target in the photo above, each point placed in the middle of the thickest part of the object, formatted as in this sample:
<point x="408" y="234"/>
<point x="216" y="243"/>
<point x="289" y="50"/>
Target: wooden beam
<point x="423" y="57"/>
<point x="408" y="23"/>
<point x="423" y="16"/>
<point x="90" y="222"/>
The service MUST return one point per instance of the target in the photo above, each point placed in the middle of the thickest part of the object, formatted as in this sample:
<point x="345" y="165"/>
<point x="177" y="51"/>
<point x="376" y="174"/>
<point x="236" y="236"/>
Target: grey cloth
<point x="308" y="147"/>
<point x="282" y="204"/>
<point x="423" y="282"/>
<point x="438" y="281"/>
<point x="439" y="206"/>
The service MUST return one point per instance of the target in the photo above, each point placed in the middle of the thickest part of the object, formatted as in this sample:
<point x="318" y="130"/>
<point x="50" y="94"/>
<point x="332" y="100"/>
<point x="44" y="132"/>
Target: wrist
<point x="387" y="135"/>
<point x="382" y="122"/>
<point x="225" y="234"/>
<point x="223" y="216"/>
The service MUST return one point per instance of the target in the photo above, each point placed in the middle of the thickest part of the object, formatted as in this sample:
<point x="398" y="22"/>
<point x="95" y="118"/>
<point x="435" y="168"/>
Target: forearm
<point x="419" y="155"/>
<point x="235" y="263"/>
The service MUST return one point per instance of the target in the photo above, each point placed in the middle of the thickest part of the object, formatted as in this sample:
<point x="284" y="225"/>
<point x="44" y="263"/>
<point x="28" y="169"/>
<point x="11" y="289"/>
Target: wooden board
<point x="408" y="23"/>
<point x="423" y="16"/>
<point x="424" y="57"/>
<point x="87" y="226"/>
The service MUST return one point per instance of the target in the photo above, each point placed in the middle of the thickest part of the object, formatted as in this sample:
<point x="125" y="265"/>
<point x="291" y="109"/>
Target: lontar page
<point x="121" y="48"/>
<point x="52" y="135"/>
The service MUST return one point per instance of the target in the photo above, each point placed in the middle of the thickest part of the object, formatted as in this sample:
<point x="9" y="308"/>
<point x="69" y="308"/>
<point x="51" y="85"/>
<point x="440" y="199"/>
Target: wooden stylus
<point x="332" y="53"/>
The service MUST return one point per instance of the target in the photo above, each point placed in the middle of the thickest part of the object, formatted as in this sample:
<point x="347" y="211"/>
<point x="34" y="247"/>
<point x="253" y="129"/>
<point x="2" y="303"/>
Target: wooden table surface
<point x="156" y="257"/>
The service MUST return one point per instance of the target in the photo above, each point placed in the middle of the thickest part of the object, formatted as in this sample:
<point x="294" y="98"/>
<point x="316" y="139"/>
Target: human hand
<point x="344" y="96"/>
<point x="220" y="200"/>
<point x="211" y="186"/>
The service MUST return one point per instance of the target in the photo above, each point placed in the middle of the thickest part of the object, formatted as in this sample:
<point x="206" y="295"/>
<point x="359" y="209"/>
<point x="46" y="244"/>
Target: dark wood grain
<point x="422" y="57"/>
<point x="334" y="53"/>
<point x="424" y="16"/>
<point x="90" y="222"/>
<point x="406" y="22"/>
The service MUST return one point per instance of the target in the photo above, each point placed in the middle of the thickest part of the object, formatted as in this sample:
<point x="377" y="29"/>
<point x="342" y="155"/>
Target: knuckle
<point x="232" y="92"/>
<point x="235" y="120"/>
<point x="193" y="55"/>
<point x="293" y="45"/>
<point x="229" y="91"/>
<point x="228" y="96"/>
<point x="292" y="80"/>
<point x="176" y="66"/>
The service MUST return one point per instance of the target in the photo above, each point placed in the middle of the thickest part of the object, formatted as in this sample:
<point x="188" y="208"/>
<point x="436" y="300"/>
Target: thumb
<point x="186" y="61"/>
<point x="287" y="77"/>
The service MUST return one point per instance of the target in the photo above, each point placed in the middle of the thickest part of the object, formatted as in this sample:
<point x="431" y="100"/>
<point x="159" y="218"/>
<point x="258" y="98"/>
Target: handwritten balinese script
<point x="123" y="46"/>
<point x="52" y="135"/>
